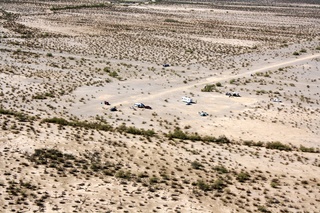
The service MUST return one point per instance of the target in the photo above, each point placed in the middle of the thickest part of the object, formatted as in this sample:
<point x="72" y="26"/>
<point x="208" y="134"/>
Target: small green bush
<point x="170" y="20"/>
<point x="113" y="74"/>
<point x="263" y="209"/>
<point x="232" y="81"/>
<point x="136" y="131"/>
<point x="69" y="7"/>
<point x="278" y="145"/>
<point x="275" y="183"/>
<point x="221" y="169"/>
<point x="209" y="88"/>
<point x="203" y="185"/>
<point x="106" y="69"/>
<point x="153" y="180"/>
<point x="218" y="84"/>
<point x="196" y="165"/>
<point x="89" y="125"/>
<point x="218" y="184"/>
<point x="308" y="149"/>
<point x="243" y="176"/>
<point x="123" y="174"/>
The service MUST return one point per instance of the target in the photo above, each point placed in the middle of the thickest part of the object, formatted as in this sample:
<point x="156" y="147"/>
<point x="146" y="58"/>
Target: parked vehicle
<point x="233" y="94"/>
<point x="113" y="109"/>
<point x="139" y="105"/>
<point x="187" y="100"/>
<point x="202" y="113"/>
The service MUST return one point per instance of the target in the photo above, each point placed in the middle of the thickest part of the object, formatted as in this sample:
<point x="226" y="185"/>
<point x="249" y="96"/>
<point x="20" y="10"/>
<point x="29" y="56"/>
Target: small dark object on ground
<point x="234" y="94"/>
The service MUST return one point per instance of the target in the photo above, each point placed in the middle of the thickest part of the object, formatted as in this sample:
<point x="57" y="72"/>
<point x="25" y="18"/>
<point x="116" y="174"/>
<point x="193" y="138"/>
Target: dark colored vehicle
<point x="113" y="109"/>
<point x="166" y="65"/>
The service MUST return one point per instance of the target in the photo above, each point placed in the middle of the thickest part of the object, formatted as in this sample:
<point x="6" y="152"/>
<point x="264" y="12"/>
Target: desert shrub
<point x="308" y="149"/>
<point x="136" y="131"/>
<point x="170" y="20"/>
<point x="20" y="116"/>
<point x="247" y="143"/>
<point x="153" y="180"/>
<point x="196" y="165"/>
<point x="296" y="53"/>
<point x="209" y="88"/>
<point x="258" y="92"/>
<point x="259" y="73"/>
<point x="84" y="124"/>
<point x="107" y="69"/>
<point x="69" y="7"/>
<point x="252" y="143"/>
<point x="194" y="137"/>
<point x="243" y="176"/>
<point x="113" y="74"/>
<point x="218" y="84"/>
<point x="221" y="169"/>
<point x="123" y="174"/>
<point x="177" y="133"/>
<point x="49" y="157"/>
<point x="278" y="145"/>
<point x="55" y="120"/>
<point x="218" y="184"/>
<point x="222" y="139"/>
<point x="95" y="166"/>
<point x="275" y="183"/>
<point x="303" y="50"/>
<point x="49" y="55"/>
<point x="263" y="209"/>
<point x="232" y="81"/>
<point x="203" y="185"/>
<point x="42" y="96"/>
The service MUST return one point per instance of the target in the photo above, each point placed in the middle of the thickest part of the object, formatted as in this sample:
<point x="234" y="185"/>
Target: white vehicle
<point x="187" y="100"/>
<point x="276" y="100"/>
<point x="202" y="113"/>
<point x="233" y="94"/>
<point x="139" y="105"/>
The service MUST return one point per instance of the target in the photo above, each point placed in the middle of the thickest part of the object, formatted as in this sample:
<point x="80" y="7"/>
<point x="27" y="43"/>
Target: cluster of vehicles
<point x="185" y="99"/>
<point x="136" y="105"/>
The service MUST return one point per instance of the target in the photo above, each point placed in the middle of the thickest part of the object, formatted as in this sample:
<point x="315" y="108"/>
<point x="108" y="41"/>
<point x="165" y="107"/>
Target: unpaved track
<point x="211" y="80"/>
<point x="156" y="94"/>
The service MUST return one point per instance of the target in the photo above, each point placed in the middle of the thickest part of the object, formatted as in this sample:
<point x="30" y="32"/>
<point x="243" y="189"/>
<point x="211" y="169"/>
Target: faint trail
<point x="163" y="92"/>
<point x="217" y="79"/>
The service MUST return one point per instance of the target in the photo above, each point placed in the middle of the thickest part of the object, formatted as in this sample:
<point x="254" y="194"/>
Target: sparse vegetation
<point x="64" y="72"/>
<point x="278" y="145"/>
<point x="82" y="6"/>
<point x="209" y="88"/>
<point x="89" y="125"/>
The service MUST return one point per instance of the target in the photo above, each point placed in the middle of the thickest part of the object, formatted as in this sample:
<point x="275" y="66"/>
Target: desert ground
<point x="66" y="64"/>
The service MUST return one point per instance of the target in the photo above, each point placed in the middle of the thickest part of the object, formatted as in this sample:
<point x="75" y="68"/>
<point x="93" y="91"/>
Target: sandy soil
<point x="63" y="150"/>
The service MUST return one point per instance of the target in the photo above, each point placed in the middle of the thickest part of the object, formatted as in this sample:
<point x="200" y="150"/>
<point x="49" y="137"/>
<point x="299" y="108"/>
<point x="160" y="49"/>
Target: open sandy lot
<point x="62" y="149"/>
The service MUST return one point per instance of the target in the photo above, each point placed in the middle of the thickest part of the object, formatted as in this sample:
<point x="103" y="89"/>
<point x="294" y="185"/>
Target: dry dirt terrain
<point x="73" y="138"/>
